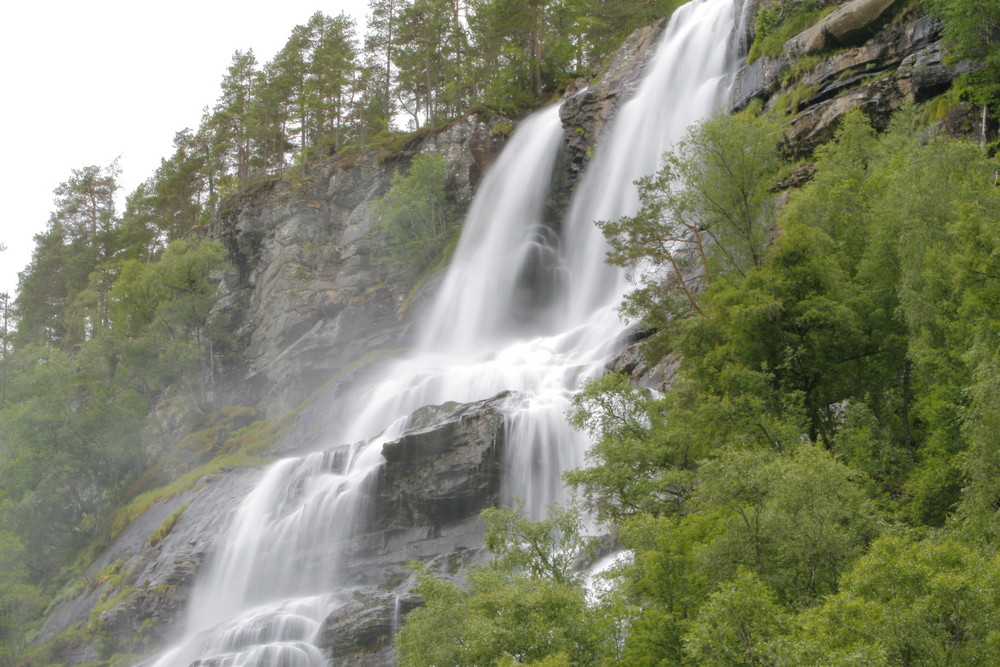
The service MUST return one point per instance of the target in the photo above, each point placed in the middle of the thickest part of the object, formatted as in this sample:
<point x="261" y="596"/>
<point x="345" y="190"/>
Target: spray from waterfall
<point x="275" y="575"/>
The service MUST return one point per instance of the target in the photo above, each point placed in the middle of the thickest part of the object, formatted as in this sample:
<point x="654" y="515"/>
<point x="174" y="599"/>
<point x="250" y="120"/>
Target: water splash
<point x="521" y="308"/>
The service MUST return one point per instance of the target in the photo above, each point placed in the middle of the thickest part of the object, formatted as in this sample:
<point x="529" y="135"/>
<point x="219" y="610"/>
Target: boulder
<point x="361" y="633"/>
<point x="848" y="25"/>
<point x="446" y="468"/>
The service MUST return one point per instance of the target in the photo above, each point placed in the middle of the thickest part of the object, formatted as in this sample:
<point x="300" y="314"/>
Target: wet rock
<point x="307" y="302"/>
<point x="361" y="633"/>
<point x="759" y="79"/>
<point x="587" y="107"/>
<point x="447" y="468"/>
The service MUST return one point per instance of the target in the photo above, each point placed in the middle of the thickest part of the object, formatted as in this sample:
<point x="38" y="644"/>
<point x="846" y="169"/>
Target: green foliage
<point x="636" y="463"/>
<point x="737" y="624"/>
<point x="19" y="600"/>
<point x="417" y="217"/>
<point x="970" y="30"/>
<point x="930" y="601"/>
<point x="168" y="525"/>
<point x="527" y="607"/>
<point x="838" y="387"/>
<point x="705" y="217"/>
<point x="780" y="20"/>
<point x="795" y="521"/>
<point x="74" y="420"/>
<point x="546" y="549"/>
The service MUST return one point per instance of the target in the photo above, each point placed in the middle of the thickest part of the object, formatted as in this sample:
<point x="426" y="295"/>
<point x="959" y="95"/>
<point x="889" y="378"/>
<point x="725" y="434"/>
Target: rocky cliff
<point x="311" y="312"/>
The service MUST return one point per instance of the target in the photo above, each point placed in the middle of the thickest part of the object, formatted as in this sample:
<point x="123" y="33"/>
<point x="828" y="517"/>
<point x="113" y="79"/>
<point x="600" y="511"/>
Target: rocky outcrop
<point x="589" y="105"/>
<point x="848" y="25"/>
<point x="135" y="592"/>
<point x="307" y="302"/>
<point x="426" y="499"/>
<point x="446" y="469"/>
<point x="904" y="62"/>
<point x="361" y="633"/>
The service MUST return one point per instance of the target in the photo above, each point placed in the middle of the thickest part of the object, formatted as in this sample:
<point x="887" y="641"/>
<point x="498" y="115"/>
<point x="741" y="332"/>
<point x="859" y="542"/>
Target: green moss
<point x="125" y="659"/>
<point x="788" y="104"/>
<point x="803" y="65"/>
<point x="168" y="525"/>
<point x="47" y="654"/>
<point x="144" y="501"/>
<point x="781" y="20"/>
<point x="112" y="575"/>
<point x="502" y="129"/>
<point x="109" y="602"/>
<point x="754" y="108"/>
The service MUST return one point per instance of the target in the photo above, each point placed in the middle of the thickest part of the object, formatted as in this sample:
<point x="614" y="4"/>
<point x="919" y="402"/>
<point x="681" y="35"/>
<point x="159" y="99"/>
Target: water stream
<point x="521" y="308"/>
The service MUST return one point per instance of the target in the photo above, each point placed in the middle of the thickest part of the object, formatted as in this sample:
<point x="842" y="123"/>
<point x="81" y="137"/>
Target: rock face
<point x="360" y="634"/>
<point x="148" y="580"/>
<point x="310" y="312"/>
<point x="848" y="25"/>
<point x="426" y="499"/>
<point x="904" y="62"/>
<point x="588" y="106"/>
<point x="307" y="301"/>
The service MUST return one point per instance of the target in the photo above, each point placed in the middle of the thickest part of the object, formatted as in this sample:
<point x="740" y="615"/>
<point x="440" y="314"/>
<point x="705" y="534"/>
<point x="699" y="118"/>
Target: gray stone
<point x="588" y="106"/>
<point x="361" y="633"/>
<point x="848" y="25"/>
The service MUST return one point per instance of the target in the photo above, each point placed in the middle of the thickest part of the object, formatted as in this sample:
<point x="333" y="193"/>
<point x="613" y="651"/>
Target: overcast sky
<point x="85" y="82"/>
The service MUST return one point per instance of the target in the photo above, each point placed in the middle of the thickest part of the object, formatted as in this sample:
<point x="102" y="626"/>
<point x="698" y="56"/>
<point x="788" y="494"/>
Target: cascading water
<point x="519" y="309"/>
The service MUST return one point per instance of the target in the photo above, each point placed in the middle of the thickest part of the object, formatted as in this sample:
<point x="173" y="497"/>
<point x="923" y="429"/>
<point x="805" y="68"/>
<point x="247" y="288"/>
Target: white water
<point x="521" y="308"/>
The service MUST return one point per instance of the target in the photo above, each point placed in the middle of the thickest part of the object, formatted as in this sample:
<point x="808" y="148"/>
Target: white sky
<point x="85" y="82"/>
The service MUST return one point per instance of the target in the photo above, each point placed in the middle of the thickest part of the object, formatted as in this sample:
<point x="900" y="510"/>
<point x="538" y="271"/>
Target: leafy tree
<point x="19" y="600"/>
<point x="547" y="549"/>
<point x="426" y="52"/>
<point x="5" y="331"/>
<point x="737" y="624"/>
<point x="704" y="216"/>
<point x="666" y="583"/>
<point x="599" y="27"/>
<point x="510" y="40"/>
<point x="380" y="44"/>
<point x="78" y="237"/>
<point x="527" y="607"/>
<point x="636" y="464"/>
<point x="417" y="217"/>
<point x="85" y="203"/>
<point x="908" y="601"/>
<point x="233" y="110"/>
<point x="794" y="521"/>
<point x="329" y="88"/>
<point x="972" y="30"/>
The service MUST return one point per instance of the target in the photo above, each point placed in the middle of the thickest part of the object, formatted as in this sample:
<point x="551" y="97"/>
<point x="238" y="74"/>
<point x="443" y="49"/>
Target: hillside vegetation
<point x="820" y="484"/>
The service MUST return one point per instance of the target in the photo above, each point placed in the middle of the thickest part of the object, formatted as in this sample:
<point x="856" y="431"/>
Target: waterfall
<point x="520" y="308"/>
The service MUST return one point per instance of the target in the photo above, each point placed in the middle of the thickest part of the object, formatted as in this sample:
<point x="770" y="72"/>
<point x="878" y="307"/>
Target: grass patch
<point x="781" y="20"/>
<point x="788" y="104"/>
<point x="245" y="447"/>
<point x="168" y="525"/>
